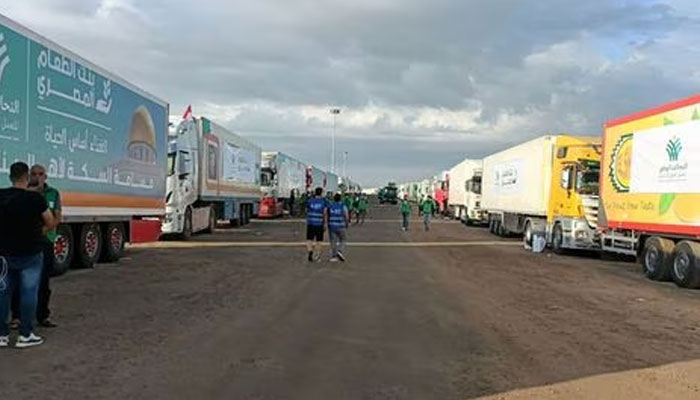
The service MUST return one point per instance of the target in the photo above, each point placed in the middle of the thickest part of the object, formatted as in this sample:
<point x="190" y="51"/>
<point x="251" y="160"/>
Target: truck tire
<point x="187" y="228"/>
<point x="527" y="234"/>
<point x="500" y="230"/>
<point x="558" y="239"/>
<point x="492" y="224"/>
<point x="89" y="245"/>
<point x="212" y="220"/>
<point x="686" y="266"/>
<point x="113" y="242"/>
<point x="63" y="249"/>
<point x="657" y="258"/>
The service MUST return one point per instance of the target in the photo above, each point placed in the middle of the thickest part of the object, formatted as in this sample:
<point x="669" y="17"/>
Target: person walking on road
<point x="37" y="182"/>
<point x="427" y="209"/>
<point x="24" y="216"/>
<point x="362" y="204"/>
<point x="316" y="217"/>
<point x="338" y="221"/>
<point x="405" y="212"/>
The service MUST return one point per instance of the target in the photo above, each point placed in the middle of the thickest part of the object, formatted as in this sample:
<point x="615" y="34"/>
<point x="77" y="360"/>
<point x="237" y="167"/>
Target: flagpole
<point x="335" y="112"/>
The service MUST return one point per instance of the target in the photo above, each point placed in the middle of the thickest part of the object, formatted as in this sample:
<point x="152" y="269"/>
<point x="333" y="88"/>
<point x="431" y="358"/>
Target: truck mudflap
<point x="145" y="230"/>
<point x="270" y="207"/>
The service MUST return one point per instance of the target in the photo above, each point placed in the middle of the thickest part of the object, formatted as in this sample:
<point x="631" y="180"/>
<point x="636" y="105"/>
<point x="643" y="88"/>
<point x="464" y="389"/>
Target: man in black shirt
<point x="24" y="218"/>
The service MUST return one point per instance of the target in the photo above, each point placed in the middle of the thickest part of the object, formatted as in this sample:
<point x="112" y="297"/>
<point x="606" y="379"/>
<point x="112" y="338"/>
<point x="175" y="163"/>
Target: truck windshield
<point x="266" y="176"/>
<point x="588" y="177"/>
<point x="171" y="164"/>
<point x="474" y="185"/>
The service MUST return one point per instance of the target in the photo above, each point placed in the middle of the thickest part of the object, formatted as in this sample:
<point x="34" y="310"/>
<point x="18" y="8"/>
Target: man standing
<point x="24" y="216"/>
<point x="405" y="212"/>
<point x="338" y="220"/>
<point x="427" y="209"/>
<point x="362" y="204"/>
<point x="315" y="223"/>
<point x="37" y="183"/>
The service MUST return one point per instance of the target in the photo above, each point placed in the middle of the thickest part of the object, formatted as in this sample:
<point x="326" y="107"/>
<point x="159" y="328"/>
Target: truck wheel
<point x="558" y="239"/>
<point x="187" y="229"/>
<point x="89" y="245"/>
<point x="113" y="242"/>
<point x="686" y="266"/>
<point x="491" y="226"/>
<point x="527" y="235"/>
<point x="500" y="230"/>
<point x="657" y="258"/>
<point x="212" y="220"/>
<point x="63" y="250"/>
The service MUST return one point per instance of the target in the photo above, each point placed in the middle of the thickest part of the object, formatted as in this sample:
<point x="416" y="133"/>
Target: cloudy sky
<point x="422" y="84"/>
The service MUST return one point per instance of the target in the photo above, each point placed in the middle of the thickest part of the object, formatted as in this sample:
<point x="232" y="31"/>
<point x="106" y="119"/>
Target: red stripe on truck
<point x="653" y="111"/>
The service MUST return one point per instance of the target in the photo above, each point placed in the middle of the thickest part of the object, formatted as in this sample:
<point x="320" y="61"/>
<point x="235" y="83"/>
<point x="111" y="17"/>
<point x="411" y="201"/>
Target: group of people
<point x="427" y="208"/>
<point x="30" y="211"/>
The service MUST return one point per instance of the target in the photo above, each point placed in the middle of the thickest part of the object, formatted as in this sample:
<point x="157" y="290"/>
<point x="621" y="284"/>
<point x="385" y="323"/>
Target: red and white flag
<point x="188" y="113"/>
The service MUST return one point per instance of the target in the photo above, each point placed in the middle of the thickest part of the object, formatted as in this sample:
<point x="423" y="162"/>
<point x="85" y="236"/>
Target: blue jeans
<point x="406" y="217"/>
<point x="23" y="274"/>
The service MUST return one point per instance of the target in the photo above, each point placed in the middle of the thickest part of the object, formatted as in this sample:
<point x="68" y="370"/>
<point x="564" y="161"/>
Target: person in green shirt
<point x="362" y="204"/>
<point x="405" y="212"/>
<point x="427" y="209"/>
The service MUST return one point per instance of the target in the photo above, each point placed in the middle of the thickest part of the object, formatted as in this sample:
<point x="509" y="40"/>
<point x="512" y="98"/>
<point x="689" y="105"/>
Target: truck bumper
<point x="173" y="222"/>
<point x="579" y="235"/>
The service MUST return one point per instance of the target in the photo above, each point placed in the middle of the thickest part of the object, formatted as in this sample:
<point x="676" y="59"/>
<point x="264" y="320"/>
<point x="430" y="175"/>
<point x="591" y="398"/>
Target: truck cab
<point x="473" y="214"/>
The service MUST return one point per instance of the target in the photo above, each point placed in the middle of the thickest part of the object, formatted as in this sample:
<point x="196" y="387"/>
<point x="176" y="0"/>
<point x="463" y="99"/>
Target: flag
<point x="188" y="113"/>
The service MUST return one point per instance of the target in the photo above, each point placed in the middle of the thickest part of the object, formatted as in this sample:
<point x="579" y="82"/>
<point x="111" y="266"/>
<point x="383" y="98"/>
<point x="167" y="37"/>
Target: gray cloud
<point x="422" y="83"/>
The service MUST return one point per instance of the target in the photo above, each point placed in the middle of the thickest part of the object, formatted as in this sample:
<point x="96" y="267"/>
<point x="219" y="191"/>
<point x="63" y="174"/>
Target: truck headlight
<point x="581" y="235"/>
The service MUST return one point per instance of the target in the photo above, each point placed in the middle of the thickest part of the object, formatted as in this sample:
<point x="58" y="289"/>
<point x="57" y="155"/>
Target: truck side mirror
<point x="566" y="178"/>
<point x="183" y="176"/>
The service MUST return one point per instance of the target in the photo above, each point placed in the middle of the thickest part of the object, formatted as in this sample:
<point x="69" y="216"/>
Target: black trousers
<point x="42" y="307"/>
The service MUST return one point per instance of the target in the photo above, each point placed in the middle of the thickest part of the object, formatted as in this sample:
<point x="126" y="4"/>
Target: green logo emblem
<point x="673" y="149"/>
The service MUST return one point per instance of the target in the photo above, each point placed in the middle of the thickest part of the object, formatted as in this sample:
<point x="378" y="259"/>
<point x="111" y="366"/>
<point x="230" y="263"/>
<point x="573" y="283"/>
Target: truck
<point x="464" y="192"/>
<point x="547" y="186"/>
<point x="213" y="174"/>
<point x="650" y="190"/>
<point x="281" y="175"/>
<point x="389" y="194"/>
<point x="101" y="139"/>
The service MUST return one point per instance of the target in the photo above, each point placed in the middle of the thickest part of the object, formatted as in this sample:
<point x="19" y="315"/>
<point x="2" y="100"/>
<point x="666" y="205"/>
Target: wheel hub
<point x="60" y="248"/>
<point x="116" y="238"/>
<point x="651" y="258"/>
<point x="91" y="243"/>
<point x="681" y="265"/>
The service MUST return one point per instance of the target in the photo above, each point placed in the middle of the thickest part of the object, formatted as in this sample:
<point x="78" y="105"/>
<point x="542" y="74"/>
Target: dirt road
<point x="241" y="315"/>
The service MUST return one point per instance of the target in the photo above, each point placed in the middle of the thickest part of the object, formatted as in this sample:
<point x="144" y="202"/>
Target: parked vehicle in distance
<point x="213" y="174"/>
<point x="389" y="194"/>
<point x="546" y="186"/>
<point x="464" y="195"/>
<point x="650" y="192"/>
<point x="281" y="175"/>
<point x="101" y="139"/>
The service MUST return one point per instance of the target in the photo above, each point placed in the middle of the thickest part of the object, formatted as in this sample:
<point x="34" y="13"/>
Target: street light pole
<point x="345" y="164"/>
<point x="335" y="112"/>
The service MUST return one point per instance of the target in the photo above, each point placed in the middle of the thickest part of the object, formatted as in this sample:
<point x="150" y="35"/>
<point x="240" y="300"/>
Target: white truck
<point x="547" y="186"/>
<point x="464" y="197"/>
<point x="213" y="174"/>
<point x="281" y="174"/>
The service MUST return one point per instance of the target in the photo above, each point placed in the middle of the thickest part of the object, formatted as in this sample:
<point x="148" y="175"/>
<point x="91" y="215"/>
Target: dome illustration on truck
<point x="621" y="164"/>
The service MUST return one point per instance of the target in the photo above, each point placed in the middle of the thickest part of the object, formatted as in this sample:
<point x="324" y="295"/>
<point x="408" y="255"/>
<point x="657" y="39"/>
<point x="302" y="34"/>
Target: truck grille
<point x="590" y="209"/>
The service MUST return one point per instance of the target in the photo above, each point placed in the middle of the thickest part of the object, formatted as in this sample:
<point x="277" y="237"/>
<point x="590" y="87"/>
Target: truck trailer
<point x="464" y="196"/>
<point x="547" y="186"/>
<point x="101" y="139"/>
<point x="281" y="175"/>
<point x="650" y="190"/>
<point x="213" y="174"/>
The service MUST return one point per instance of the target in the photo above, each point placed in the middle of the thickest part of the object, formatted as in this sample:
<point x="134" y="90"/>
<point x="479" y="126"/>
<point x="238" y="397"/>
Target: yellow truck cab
<point x="547" y="186"/>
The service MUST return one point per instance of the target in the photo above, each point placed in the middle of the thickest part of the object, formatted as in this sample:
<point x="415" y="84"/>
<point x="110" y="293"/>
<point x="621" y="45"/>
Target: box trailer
<point x="213" y="174"/>
<point x="546" y="186"/>
<point x="101" y="139"/>
<point x="464" y="191"/>
<point x="281" y="175"/>
<point x="650" y="190"/>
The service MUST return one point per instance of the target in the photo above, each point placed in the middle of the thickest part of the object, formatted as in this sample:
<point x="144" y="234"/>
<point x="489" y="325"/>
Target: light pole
<point x="335" y="112"/>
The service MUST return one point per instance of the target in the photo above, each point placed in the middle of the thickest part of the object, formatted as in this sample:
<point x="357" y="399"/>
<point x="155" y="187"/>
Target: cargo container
<point x="213" y="174"/>
<point x="547" y="186"/>
<point x="101" y="139"/>
<point x="281" y="175"/>
<point x="464" y="191"/>
<point x="650" y="190"/>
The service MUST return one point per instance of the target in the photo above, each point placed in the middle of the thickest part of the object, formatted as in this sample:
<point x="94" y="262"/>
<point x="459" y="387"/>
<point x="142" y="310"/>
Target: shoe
<point x="317" y="259"/>
<point x="311" y="257"/>
<point x="14" y="324"/>
<point x="340" y="256"/>
<point x="29" y="341"/>
<point x="334" y="259"/>
<point x="47" y="323"/>
<point x="4" y="341"/>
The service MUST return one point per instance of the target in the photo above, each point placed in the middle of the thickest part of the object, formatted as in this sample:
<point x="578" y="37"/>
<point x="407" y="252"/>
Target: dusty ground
<point x="399" y="320"/>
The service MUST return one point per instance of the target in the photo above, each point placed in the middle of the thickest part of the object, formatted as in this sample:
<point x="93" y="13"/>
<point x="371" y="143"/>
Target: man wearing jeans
<point x="338" y="220"/>
<point x="405" y="212"/>
<point x="24" y="218"/>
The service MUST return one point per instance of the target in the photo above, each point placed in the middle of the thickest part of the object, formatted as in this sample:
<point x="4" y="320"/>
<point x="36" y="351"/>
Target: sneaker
<point x="47" y="323"/>
<point x="340" y="256"/>
<point x="4" y="341"/>
<point x="334" y="259"/>
<point x="317" y="259"/>
<point x="14" y="324"/>
<point x="29" y="341"/>
<point x="311" y="257"/>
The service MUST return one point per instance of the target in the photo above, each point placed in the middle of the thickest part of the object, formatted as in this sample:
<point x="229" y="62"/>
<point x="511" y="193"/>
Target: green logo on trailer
<point x="673" y="149"/>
